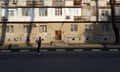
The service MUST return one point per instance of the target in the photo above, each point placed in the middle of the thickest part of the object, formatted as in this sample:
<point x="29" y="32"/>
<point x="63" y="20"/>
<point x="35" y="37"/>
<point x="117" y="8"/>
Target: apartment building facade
<point x="72" y="21"/>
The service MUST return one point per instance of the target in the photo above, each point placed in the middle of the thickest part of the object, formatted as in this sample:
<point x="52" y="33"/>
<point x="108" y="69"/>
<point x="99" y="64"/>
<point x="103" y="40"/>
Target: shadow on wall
<point x="32" y="14"/>
<point x="29" y="34"/>
<point x="99" y="33"/>
<point x="4" y="24"/>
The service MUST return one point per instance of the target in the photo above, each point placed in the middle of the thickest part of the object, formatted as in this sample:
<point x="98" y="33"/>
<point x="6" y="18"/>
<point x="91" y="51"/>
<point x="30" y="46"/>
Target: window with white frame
<point x="43" y="28"/>
<point x="58" y="11"/>
<point x="105" y="13"/>
<point x="10" y="29"/>
<point x="74" y="27"/>
<point x="47" y="2"/>
<point x="75" y="11"/>
<point x="71" y="11"/>
<point x="59" y="0"/>
<point x="86" y="1"/>
<point x="42" y="11"/>
<point x="117" y="10"/>
<point x="11" y="12"/>
<point x="26" y="11"/>
<point x="26" y="28"/>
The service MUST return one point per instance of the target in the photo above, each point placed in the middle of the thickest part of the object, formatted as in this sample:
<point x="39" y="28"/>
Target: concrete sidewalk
<point x="62" y="44"/>
<point x="82" y="46"/>
<point x="73" y="46"/>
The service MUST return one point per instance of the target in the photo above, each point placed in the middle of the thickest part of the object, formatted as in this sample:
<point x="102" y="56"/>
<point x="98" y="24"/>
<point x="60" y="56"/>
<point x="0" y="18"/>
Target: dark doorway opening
<point x="58" y="35"/>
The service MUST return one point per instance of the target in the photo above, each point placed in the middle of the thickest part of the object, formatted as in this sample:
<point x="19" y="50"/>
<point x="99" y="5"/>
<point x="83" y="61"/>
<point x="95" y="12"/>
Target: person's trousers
<point x="38" y="49"/>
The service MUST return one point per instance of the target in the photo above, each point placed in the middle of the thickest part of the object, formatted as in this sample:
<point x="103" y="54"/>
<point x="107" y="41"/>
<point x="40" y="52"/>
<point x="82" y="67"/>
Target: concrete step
<point x="59" y="43"/>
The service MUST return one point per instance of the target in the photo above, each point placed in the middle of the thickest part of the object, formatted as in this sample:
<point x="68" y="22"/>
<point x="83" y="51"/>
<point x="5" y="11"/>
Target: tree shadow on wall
<point x="30" y="26"/>
<point x="4" y="22"/>
<point x="99" y="33"/>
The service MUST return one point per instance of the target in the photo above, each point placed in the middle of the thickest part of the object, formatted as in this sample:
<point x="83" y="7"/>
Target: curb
<point x="63" y="50"/>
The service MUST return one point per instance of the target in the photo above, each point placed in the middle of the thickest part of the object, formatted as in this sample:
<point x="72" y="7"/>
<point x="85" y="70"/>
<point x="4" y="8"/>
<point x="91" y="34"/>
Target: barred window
<point x="58" y="11"/>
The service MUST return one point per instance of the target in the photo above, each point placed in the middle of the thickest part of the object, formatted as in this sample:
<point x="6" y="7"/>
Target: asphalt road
<point x="60" y="62"/>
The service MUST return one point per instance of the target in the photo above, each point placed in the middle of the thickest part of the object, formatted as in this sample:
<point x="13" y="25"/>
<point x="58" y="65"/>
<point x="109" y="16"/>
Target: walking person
<point x="104" y="46"/>
<point x="9" y="46"/>
<point x="38" y="45"/>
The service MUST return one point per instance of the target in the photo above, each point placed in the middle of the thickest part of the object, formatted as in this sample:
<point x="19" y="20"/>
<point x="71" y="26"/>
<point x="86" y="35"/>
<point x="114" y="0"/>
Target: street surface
<point x="53" y="61"/>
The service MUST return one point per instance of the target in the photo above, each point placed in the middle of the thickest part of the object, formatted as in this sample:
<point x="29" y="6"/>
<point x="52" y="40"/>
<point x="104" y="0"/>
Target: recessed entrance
<point x="58" y="35"/>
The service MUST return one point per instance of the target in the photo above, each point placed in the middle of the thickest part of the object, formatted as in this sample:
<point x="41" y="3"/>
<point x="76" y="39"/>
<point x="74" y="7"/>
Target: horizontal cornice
<point x="62" y="22"/>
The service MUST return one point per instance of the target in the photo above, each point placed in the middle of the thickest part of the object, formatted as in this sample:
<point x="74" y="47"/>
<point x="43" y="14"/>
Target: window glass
<point x="105" y="27"/>
<point x="26" y="11"/>
<point x="10" y="29"/>
<point x="43" y="11"/>
<point x="26" y="28"/>
<point x="74" y="28"/>
<point x="42" y="28"/>
<point x="58" y="11"/>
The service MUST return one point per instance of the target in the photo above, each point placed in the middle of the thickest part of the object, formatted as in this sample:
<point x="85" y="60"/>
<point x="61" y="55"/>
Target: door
<point x="58" y="35"/>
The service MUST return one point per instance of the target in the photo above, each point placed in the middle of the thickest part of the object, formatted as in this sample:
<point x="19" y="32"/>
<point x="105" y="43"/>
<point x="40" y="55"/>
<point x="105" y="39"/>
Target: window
<point x="71" y="11"/>
<point x="42" y="28"/>
<point x="10" y="29"/>
<point x="43" y="11"/>
<point x="26" y="11"/>
<point x="12" y="12"/>
<point x="86" y="1"/>
<point x="59" y="0"/>
<point x="77" y="0"/>
<point x="88" y="28"/>
<point x="26" y="28"/>
<point x="117" y="12"/>
<point x="75" y="11"/>
<point x="41" y="0"/>
<point x="105" y="13"/>
<point x="58" y="11"/>
<point x="105" y="27"/>
<point x="15" y="1"/>
<point x="74" y="28"/>
<point x="47" y="2"/>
